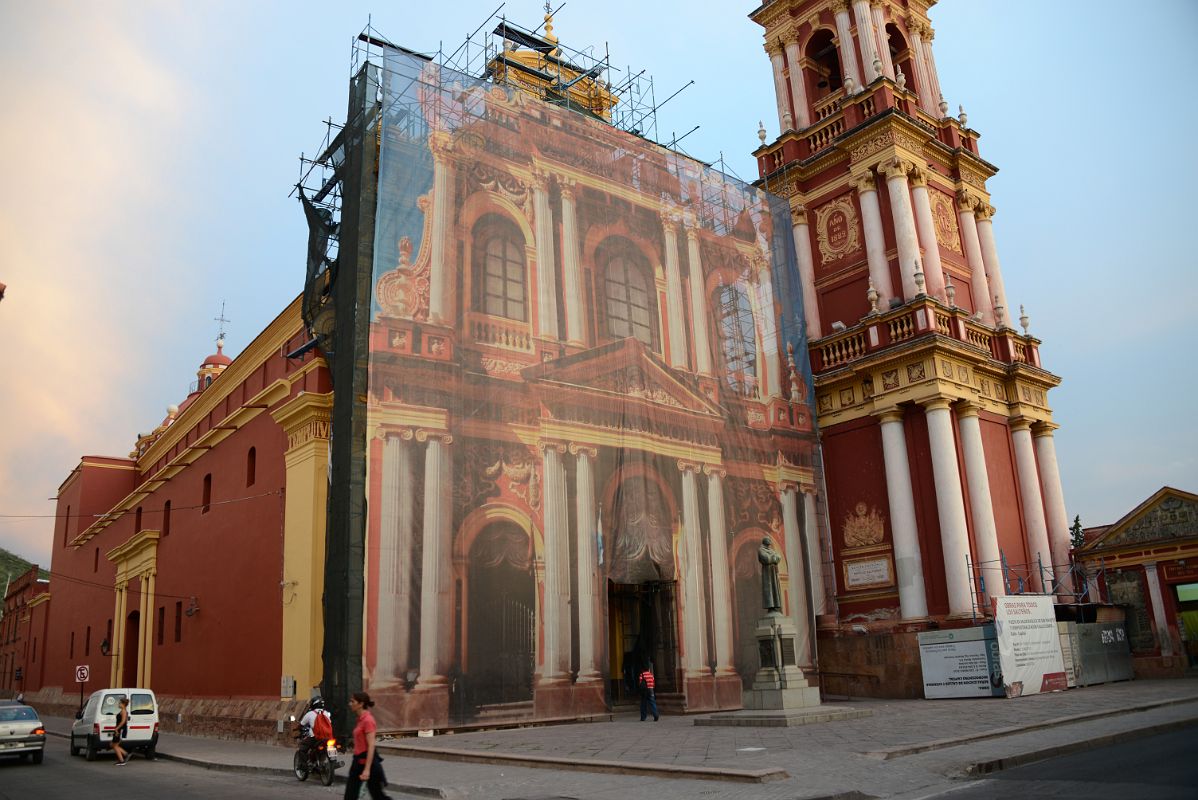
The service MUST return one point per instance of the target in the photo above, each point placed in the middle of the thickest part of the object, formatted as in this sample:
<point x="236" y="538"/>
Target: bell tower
<point x="942" y="481"/>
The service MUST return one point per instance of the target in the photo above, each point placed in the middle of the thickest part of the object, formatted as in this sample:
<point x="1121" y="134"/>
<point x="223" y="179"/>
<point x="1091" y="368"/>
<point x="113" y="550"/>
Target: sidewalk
<point x="905" y="749"/>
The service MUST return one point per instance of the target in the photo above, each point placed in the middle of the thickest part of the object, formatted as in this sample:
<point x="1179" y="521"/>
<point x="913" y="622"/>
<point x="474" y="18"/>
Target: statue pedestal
<point x="780" y="683"/>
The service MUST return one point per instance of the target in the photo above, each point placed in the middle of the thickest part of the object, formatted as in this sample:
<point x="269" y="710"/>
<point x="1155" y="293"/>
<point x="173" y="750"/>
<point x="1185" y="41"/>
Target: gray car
<point x="21" y="733"/>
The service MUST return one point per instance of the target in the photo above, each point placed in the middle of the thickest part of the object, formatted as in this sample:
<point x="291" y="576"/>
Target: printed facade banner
<point x="588" y="403"/>
<point x="1029" y="644"/>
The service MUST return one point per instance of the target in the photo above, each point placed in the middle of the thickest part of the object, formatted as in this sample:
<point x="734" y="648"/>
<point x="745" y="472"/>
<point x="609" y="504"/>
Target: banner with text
<point x="1029" y="645"/>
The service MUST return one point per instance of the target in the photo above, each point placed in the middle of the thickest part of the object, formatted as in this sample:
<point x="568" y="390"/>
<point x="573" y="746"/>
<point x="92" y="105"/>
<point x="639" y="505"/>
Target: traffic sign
<point x="82" y="673"/>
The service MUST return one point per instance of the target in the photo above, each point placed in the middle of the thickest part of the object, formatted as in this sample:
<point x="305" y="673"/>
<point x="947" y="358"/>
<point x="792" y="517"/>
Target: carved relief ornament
<point x="864" y="527"/>
<point x="837" y="229"/>
<point x="883" y="140"/>
<point x="945" y="221"/>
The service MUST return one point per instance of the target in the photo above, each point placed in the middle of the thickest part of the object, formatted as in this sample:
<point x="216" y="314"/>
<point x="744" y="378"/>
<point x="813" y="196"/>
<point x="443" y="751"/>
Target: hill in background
<point x="11" y="565"/>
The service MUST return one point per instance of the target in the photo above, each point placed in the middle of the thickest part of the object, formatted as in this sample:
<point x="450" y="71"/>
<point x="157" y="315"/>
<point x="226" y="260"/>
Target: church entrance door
<point x="642" y="627"/>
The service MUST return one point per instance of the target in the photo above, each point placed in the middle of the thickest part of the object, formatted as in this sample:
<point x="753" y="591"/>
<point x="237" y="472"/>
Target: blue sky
<point x="151" y="148"/>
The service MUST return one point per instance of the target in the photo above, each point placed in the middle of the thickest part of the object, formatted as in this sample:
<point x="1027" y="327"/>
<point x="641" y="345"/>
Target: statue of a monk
<point x="771" y="589"/>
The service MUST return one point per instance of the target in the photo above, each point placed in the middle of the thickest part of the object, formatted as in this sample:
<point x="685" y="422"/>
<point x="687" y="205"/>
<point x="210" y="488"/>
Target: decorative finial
<point x="943" y="107"/>
<point x="872" y="297"/>
<point x="963" y="117"/>
<point x="877" y="67"/>
<point x="850" y="85"/>
<point x="549" y="36"/>
<point x="900" y="78"/>
<point x="919" y="282"/>
<point x="1000" y="313"/>
<point x="950" y="291"/>
<point x="1024" y="320"/>
<point x="796" y="395"/>
<point x="761" y="131"/>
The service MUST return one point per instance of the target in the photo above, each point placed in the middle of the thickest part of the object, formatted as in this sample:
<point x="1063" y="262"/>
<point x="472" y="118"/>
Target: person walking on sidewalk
<point x="648" y="694"/>
<point x="366" y="767"/>
<point x="121" y="732"/>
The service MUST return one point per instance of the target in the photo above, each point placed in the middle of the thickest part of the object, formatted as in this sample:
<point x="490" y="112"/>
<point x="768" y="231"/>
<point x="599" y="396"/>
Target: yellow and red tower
<point x="942" y="482"/>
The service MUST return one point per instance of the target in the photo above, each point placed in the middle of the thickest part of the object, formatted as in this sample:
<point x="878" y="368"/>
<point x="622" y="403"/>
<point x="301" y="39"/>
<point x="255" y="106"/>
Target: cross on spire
<point x="220" y="336"/>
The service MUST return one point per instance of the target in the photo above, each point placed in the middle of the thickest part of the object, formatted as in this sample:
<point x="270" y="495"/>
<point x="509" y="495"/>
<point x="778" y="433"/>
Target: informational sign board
<point x="82" y="673"/>
<point x="1029" y="645"/>
<point x="960" y="663"/>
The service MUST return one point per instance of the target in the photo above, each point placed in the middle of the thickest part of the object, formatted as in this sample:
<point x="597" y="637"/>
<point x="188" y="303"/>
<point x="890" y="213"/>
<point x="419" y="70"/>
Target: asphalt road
<point x="61" y="776"/>
<point x="1154" y="768"/>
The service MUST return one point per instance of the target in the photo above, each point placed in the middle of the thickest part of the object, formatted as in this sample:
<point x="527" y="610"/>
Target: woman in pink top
<point x="366" y="767"/>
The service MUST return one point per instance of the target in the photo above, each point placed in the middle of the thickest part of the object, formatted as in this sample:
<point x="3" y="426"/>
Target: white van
<point x="95" y="724"/>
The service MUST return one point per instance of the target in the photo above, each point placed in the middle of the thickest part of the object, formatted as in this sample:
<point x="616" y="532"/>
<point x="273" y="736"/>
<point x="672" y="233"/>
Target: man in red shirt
<point x="648" y="695"/>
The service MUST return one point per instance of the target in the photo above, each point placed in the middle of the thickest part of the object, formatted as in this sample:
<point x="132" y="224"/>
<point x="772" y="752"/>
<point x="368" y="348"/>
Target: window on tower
<point x="824" y="76"/>
<point x="499" y="270"/>
<point x="628" y="295"/>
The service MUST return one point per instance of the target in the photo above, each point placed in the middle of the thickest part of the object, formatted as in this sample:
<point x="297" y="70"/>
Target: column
<point x="800" y="611"/>
<point x="998" y="293"/>
<point x="769" y="362"/>
<point x="546" y="266"/>
<point x="985" y="532"/>
<point x="785" y="120"/>
<point x="1159" y="620"/>
<point x="848" y="54"/>
<point x="574" y="290"/>
<point x="908" y="563"/>
<point x="395" y="548"/>
<point x="875" y="240"/>
<point x="896" y="171"/>
<point x="436" y="621"/>
<point x="923" y="84"/>
<point x="815" y="559"/>
<point x="1038" y="547"/>
<point x="979" y="286"/>
<point x="933" y="272"/>
<point x="798" y="87"/>
<point x="556" y="610"/>
<point x="883" y="41"/>
<point x="441" y="281"/>
<point x="674" y="320"/>
<point x="802" y="236"/>
<point x="693" y="616"/>
<point x="145" y="639"/>
<point x="588" y="578"/>
<point x="721" y="593"/>
<point x="1056" y="518"/>
<point x="117" y="645"/>
<point x="930" y="63"/>
<point x="950" y="506"/>
<point x="699" y="308"/>
<point x="866" y="39"/>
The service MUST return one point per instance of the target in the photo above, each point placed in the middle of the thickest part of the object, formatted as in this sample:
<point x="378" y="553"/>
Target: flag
<point x="599" y="534"/>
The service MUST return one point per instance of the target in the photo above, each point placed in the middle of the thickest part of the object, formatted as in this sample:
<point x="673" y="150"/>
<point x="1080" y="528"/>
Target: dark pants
<point x="648" y="703"/>
<point x="354" y="781"/>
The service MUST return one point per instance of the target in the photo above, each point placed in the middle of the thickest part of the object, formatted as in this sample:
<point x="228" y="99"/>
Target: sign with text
<point x="960" y="663"/>
<point x="1029" y="645"/>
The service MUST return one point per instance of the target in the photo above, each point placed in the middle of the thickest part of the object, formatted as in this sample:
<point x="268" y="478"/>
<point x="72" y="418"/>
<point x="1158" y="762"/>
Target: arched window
<point x="738" y="339"/>
<point x="629" y="297"/>
<point x="825" y="74"/>
<point x="499" y="271"/>
<point x="251" y="467"/>
<point x="902" y="56"/>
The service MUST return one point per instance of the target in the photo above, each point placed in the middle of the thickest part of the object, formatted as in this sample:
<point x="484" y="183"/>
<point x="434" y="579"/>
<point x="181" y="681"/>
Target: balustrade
<point x="943" y="324"/>
<point x="499" y="332"/>
<point x="825" y="132"/>
<point x="827" y="106"/>
<point x="842" y="351"/>
<point x="901" y="328"/>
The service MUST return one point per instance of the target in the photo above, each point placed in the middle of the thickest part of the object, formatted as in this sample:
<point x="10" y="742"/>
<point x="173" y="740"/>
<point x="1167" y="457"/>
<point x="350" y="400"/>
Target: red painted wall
<point x="1004" y="487"/>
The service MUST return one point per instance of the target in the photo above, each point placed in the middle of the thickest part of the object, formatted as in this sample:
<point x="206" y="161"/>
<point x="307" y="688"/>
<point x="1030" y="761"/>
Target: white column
<point x="802" y="235"/>
<point x="699" y="307"/>
<point x="693" y="616"/>
<point x="395" y="548"/>
<point x="866" y="39"/>
<point x="1056" y="518"/>
<point x="588" y="579"/>
<point x="574" y="290"/>
<point x="556" y="616"/>
<point x="875" y="240"/>
<point x="1159" y="620"/>
<point x="721" y="594"/>
<point x="441" y="281"/>
<point x="908" y="563"/>
<point x="929" y="61"/>
<point x="769" y="349"/>
<point x="436" y="640"/>
<point x="933" y="272"/>
<point x="896" y="171"/>
<point x="1039" y="550"/>
<point x="546" y="266"/>
<point x="998" y="293"/>
<point x="989" y="557"/>
<point x="923" y="83"/>
<point x="973" y="254"/>
<point x="815" y="559"/>
<point x="785" y="119"/>
<point x="798" y="89"/>
<point x="844" y="33"/>
<point x="882" y="40"/>
<point x="674" y="303"/>
<point x="950" y="506"/>
<point x="800" y="611"/>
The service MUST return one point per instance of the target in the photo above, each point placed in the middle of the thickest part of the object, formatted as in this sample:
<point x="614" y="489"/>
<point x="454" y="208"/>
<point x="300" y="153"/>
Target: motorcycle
<point x="320" y="758"/>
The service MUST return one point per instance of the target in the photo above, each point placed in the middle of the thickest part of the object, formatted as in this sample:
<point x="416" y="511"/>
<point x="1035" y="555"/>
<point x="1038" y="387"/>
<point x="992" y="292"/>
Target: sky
<point x="150" y="149"/>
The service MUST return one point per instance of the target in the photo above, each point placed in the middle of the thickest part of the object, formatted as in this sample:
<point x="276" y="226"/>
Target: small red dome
<point x="217" y="359"/>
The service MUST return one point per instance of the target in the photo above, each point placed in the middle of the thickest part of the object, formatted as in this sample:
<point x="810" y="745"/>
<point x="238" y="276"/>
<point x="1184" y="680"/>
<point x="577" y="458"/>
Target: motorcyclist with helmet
<point x="307" y="740"/>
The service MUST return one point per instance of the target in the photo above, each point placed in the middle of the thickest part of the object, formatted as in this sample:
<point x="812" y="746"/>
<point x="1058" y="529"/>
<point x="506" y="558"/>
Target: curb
<point x="940" y="744"/>
<point x="996" y="764"/>
<point x="644" y="769"/>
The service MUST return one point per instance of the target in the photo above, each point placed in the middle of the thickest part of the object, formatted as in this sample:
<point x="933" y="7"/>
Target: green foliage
<point x="1076" y="537"/>
<point x="11" y="565"/>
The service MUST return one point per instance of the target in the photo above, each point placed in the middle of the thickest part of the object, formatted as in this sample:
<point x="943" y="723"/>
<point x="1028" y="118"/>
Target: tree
<point x="1077" y="537"/>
